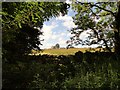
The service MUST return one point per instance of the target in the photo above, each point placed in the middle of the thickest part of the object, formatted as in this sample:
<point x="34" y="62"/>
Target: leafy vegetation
<point x="82" y="70"/>
<point x="57" y="46"/>
<point x="20" y="23"/>
<point x="102" y="19"/>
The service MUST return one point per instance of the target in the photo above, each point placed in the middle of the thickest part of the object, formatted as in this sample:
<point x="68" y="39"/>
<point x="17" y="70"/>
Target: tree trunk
<point x="117" y="31"/>
<point x="108" y="48"/>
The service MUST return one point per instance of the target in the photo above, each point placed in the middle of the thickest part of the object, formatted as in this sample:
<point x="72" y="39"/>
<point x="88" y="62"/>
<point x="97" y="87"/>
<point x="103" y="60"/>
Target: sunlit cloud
<point x="68" y="1"/>
<point x="47" y="30"/>
<point x="84" y="35"/>
<point x="56" y="31"/>
<point x="52" y="36"/>
<point x="67" y="21"/>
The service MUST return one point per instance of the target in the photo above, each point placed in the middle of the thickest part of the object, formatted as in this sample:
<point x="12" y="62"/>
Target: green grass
<point x="70" y="51"/>
<point x="64" y="72"/>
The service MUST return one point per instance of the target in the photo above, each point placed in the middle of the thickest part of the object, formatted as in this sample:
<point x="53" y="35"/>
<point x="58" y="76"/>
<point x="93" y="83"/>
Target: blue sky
<point x="56" y="30"/>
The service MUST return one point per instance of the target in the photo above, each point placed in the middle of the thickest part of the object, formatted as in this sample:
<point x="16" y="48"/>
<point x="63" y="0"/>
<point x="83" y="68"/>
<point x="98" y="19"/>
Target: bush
<point x="82" y="70"/>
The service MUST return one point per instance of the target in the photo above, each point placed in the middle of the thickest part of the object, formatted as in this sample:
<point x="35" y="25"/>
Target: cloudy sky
<point x="56" y="30"/>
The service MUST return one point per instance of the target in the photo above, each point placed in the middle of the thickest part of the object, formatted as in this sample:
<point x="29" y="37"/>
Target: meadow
<point x="70" y="51"/>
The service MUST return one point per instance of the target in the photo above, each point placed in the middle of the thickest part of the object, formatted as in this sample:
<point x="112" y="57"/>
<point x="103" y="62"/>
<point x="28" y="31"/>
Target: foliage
<point x="32" y="13"/>
<point x="92" y="70"/>
<point x="21" y="24"/>
<point x="23" y="41"/>
<point x="57" y="46"/>
<point x="101" y="19"/>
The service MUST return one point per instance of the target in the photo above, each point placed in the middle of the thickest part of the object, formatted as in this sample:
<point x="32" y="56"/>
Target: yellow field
<point x="70" y="51"/>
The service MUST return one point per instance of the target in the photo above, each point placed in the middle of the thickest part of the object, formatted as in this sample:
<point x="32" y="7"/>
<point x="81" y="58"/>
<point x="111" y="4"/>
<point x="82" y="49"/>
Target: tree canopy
<point x="20" y="23"/>
<point x="102" y="19"/>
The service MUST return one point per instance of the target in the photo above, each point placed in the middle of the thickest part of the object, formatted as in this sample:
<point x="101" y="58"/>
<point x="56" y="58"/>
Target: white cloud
<point x="46" y="45"/>
<point x="47" y="30"/>
<point x="60" y="39"/>
<point x="48" y="34"/>
<point x="69" y="25"/>
<point x="62" y="42"/>
<point x="64" y="18"/>
<point x="54" y="37"/>
<point x="69" y="34"/>
<point x="68" y="1"/>
<point x="67" y="21"/>
<point x="51" y="37"/>
<point x="85" y="34"/>
<point x="63" y="34"/>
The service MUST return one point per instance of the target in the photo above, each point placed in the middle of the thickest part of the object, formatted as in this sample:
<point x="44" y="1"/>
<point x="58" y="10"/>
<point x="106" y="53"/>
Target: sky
<point x="56" y="30"/>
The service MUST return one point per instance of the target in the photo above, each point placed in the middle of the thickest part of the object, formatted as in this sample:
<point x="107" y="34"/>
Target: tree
<point x="102" y="19"/>
<point x="70" y="46"/>
<point x="57" y="46"/>
<point x="20" y="21"/>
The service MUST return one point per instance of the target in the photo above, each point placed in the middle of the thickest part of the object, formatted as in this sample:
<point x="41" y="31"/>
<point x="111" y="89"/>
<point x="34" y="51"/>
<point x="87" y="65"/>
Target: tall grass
<point x="79" y="71"/>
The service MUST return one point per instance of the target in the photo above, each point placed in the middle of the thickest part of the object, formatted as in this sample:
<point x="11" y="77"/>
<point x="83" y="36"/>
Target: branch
<point x="92" y="5"/>
<point x="101" y="39"/>
<point x="102" y="9"/>
<point x="93" y="12"/>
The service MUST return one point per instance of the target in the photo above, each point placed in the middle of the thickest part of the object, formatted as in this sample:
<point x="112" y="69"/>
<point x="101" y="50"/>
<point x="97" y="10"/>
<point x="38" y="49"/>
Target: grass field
<point x="70" y="51"/>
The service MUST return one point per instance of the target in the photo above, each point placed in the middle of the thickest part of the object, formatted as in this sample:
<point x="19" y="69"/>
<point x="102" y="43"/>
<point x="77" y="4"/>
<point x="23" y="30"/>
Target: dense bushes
<point x="82" y="70"/>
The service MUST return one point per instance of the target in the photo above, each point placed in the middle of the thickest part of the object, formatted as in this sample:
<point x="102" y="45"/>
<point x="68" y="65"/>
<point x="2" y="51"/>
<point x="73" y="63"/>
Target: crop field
<point x="70" y="51"/>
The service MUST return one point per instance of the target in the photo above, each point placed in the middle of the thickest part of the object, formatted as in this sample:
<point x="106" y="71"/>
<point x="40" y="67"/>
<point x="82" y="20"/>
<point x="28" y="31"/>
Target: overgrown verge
<point x="82" y="70"/>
